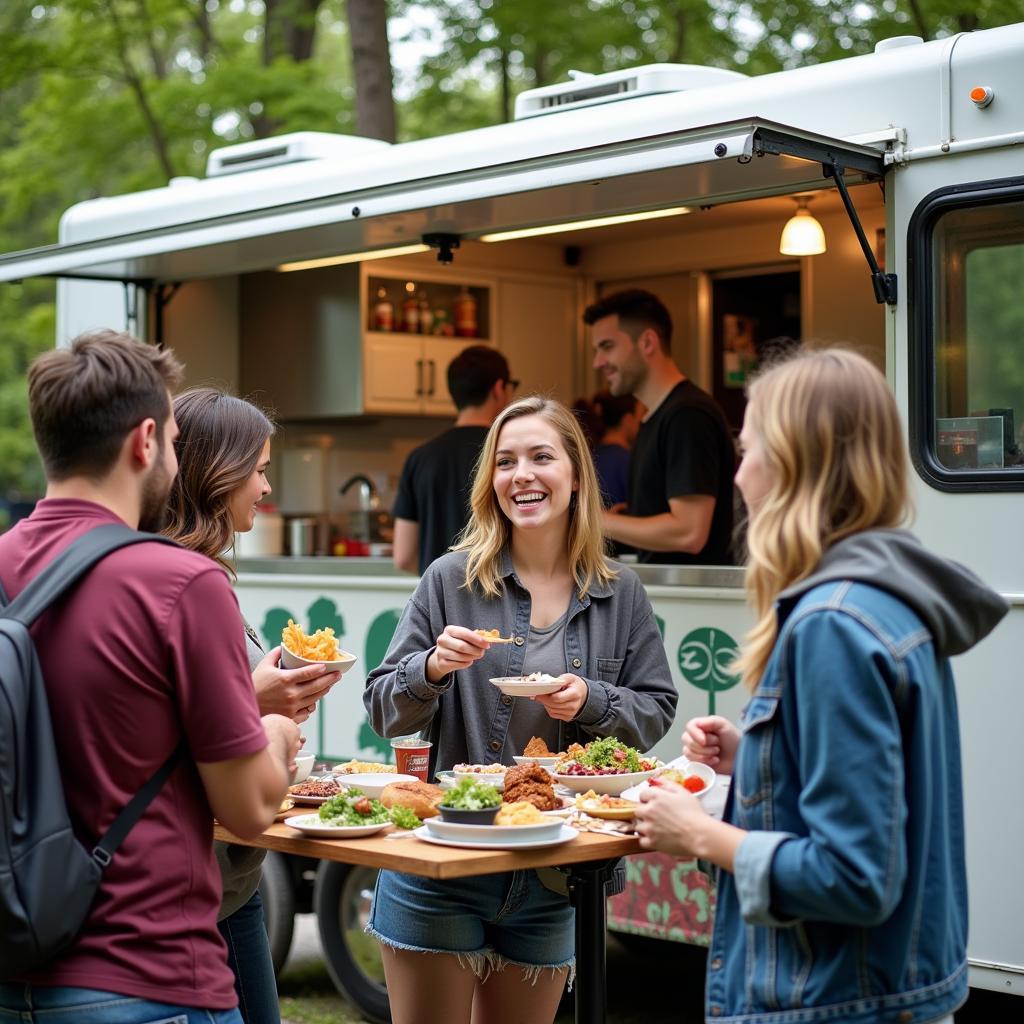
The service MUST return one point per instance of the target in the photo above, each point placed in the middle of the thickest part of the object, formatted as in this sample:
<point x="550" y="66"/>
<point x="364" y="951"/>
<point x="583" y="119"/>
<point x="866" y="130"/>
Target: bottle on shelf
<point x="410" y="313"/>
<point x="443" y="327"/>
<point x="426" y="314"/>
<point x="383" y="312"/>
<point x="465" y="314"/>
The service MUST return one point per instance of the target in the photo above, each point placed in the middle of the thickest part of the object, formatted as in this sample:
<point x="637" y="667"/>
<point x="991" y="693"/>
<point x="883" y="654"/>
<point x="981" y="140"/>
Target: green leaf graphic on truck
<point x="378" y="637"/>
<point x="705" y="657"/>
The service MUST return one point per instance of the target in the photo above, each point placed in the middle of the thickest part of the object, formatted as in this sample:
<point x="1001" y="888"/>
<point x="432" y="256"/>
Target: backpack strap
<point x="133" y="810"/>
<point x="70" y="566"/>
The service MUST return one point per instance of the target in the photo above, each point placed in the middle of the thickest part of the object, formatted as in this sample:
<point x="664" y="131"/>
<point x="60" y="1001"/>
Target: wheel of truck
<point x="276" y="889"/>
<point x="341" y="899"/>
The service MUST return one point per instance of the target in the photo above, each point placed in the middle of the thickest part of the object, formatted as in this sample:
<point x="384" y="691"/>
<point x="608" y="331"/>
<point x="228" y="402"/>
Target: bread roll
<point x="421" y="798"/>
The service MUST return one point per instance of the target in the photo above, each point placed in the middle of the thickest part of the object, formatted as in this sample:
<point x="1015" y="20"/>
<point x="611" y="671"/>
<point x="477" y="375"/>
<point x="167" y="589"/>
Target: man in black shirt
<point x="432" y="505"/>
<point x="680" y="482"/>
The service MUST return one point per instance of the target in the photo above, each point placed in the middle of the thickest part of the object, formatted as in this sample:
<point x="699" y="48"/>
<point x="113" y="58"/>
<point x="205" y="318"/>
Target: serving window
<point x="968" y="340"/>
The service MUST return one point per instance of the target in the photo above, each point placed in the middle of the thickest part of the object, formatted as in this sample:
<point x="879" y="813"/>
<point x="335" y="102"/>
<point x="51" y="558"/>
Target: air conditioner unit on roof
<point x="649" y="80"/>
<point x="287" y="149"/>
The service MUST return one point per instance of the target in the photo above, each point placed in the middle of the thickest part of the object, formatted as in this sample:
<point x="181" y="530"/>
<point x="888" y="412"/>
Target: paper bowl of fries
<point x="299" y="649"/>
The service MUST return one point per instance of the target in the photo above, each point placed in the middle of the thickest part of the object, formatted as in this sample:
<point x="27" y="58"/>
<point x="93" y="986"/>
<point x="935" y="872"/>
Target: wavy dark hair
<point x="218" y="447"/>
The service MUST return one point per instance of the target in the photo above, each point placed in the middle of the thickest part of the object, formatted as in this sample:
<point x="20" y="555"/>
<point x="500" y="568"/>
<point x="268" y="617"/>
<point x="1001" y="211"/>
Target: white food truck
<point x="270" y="275"/>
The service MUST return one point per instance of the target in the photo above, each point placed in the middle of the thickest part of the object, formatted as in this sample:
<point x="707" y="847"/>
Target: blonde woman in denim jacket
<point x="531" y="564"/>
<point x="841" y="891"/>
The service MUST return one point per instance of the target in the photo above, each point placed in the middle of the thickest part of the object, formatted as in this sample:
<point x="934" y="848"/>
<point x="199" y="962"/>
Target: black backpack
<point x="48" y="880"/>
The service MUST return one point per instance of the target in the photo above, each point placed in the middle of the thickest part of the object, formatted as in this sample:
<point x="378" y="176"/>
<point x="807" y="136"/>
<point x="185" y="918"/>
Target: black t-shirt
<point x="684" y="448"/>
<point x="434" y="489"/>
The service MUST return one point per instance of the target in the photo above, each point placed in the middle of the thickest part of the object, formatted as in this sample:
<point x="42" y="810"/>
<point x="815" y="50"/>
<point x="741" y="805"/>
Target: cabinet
<point x="408" y="374"/>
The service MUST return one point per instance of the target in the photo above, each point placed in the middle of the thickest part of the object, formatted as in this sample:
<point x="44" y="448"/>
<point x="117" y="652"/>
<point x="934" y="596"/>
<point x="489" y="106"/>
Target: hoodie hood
<point x="956" y="606"/>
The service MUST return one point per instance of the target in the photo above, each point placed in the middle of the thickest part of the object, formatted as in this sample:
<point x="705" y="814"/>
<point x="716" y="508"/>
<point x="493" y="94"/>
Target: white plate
<point x="310" y="801"/>
<point x="517" y="686"/>
<point x="341" y="665"/>
<point x="373" y="785"/>
<point x="566" y="835"/>
<point x="311" y="825"/>
<point x="614" y="785"/>
<point x="490" y="778"/>
<point x="445" y="779"/>
<point x="545" y="762"/>
<point x="690" y="767"/>
<point x="493" y="833"/>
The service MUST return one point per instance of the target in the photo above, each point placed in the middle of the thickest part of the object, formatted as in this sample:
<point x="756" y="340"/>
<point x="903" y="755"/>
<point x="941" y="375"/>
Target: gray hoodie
<point x="956" y="606"/>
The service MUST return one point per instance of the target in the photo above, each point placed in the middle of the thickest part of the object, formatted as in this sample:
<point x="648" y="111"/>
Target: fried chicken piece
<point x="537" y="748"/>
<point x="531" y="783"/>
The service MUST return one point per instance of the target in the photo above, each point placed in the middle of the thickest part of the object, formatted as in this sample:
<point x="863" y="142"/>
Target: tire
<point x="341" y="899"/>
<point x="276" y="889"/>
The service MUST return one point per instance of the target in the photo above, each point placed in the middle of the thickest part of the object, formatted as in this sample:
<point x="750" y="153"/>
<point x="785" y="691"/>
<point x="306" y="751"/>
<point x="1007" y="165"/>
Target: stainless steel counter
<point x="650" y="575"/>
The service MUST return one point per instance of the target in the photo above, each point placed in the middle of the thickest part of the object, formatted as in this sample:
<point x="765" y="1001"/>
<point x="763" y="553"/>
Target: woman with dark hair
<point x="223" y="450"/>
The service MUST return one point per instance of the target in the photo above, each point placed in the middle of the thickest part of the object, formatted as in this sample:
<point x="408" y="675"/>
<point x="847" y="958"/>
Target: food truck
<point x="335" y="278"/>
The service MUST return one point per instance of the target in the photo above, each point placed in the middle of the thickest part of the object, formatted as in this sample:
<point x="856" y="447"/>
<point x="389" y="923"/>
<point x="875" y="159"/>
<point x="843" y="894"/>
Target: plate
<point x="610" y="784"/>
<point x="340" y="665"/>
<point x="566" y="835"/>
<point x="311" y="825"/>
<point x="690" y="767"/>
<point x="544" y="762"/>
<point x="491" y="834"/>
<point x="445" y="779"/>
<point x="517" y="686"/>
<point x="373" y="785"/>
<point x="608" y="813"/>
<point x="309" y="801"/>
<point x="490" y="778"/>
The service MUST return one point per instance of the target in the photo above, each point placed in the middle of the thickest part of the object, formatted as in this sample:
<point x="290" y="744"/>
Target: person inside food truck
<point x="680" y="506"/>
<point x="432" y="505"/>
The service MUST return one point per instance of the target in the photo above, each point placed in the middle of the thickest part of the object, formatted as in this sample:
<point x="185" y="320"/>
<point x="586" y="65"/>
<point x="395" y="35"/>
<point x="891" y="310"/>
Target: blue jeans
<point x="38" y="1004"/>
<point x="245" y="933"/>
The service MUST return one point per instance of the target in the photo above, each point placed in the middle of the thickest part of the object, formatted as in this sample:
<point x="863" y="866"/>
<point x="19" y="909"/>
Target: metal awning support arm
<point x="162" y="295"/>
<point x="884" y="284"/>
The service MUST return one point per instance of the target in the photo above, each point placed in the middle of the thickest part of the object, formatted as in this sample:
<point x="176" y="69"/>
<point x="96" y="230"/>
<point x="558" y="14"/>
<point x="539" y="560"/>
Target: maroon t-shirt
<point x="145" y="650"/>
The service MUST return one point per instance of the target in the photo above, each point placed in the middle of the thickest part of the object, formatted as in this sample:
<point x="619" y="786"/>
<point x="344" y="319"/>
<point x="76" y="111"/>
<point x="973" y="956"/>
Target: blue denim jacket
<point x="849" y="896"/>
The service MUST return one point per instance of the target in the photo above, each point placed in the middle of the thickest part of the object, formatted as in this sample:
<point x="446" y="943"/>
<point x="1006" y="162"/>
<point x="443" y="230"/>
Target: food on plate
<point x="421" y="798"/>
<point x="403" y="818"/>
<point x="494" y="637"/>
<point x="470" y="795"/>
<point x="482" y="769"/>
<point x="675" y="776"/>
<point x="286" y="805"/>
<point x="353" y="807"/>
<point x="605" y="756"/>
<point x="365" y="768"/>
<point x="605" y="800"/>
<point x="538" y="748"/>
<point x="320" y="646"/>
<point x="522" y="812"/>
<point x="531" y="783"/>
<point x="316" y="787"/>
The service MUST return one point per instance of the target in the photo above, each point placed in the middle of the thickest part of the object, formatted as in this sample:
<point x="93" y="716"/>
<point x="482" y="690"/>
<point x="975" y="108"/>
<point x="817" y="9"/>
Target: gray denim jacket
<point x="611" y="640"/>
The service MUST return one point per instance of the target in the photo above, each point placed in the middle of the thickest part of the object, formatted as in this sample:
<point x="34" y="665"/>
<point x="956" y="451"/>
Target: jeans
<point x="38" y="1004"/>
<point x="245" y="933"/>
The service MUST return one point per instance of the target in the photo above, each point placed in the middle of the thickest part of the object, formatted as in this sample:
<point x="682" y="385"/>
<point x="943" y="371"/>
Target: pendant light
<point x="802" y="235"/>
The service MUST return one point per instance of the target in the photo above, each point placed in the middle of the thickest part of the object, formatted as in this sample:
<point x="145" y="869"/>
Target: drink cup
<point x="412" y="756"/>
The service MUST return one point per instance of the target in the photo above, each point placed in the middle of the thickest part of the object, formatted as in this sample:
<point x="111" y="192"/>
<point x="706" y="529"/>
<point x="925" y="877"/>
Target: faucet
<point x="368" y="496"/>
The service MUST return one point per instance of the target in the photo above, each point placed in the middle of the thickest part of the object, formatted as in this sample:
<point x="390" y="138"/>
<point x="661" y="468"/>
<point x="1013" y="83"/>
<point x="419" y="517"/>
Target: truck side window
<point x="971" y="425"/>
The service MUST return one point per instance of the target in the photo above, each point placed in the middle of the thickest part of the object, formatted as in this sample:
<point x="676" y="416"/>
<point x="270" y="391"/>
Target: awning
<point x="704" y="166"/>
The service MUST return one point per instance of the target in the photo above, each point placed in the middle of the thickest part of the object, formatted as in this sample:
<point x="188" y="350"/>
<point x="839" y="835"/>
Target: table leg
<point x="588" y="884"/>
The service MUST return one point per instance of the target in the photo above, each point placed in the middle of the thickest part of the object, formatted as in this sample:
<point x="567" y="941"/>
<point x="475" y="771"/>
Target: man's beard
<point x="154" y="511"/>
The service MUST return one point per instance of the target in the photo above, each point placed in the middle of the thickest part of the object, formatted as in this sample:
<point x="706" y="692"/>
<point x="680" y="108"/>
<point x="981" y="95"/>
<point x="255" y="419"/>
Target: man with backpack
<point x="143" y="657"/>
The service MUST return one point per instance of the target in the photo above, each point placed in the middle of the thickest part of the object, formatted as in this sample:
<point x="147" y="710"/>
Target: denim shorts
<point x="40" y="1004"/>
<point x="489" y="921"/>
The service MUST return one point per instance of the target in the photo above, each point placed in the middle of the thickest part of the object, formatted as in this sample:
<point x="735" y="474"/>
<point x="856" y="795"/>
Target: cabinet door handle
<point x="419" y="378"/>
<point x="433" y="378"/>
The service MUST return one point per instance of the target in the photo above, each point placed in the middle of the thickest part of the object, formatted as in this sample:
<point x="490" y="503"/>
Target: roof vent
<point x="897" y="43"/>
<point x="584" y="90"/>
<point x="298" y="147"/>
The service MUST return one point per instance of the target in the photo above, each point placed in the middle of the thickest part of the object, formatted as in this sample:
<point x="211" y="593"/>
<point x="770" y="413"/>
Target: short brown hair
<point x="85" y="399"/>
<point x="637" y="311"/>
<point x="472" y="374"/>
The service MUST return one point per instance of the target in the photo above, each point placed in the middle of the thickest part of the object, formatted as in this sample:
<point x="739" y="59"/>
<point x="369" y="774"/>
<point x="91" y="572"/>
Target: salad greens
<point x="352" y="807"/>
<point x="470" y="795"/>
<point x="405" y="818"/>
<point x="609" y="752"/>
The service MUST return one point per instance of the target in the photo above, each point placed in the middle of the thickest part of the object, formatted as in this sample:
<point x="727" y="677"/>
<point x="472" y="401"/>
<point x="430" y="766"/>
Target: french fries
<point x="321" y="646"/>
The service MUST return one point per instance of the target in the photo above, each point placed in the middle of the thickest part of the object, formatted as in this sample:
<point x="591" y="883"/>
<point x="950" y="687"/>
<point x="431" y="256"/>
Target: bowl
<point x="610" y="784"/>
<point x="694" y="768"/>
<point x="495" y="779"/>
<point x="462" y="816"/>
<point x="304" y="764"/>
<point x="545" y="762"/>
<point x="342" y="665"/>
<point x="373" y="785"/>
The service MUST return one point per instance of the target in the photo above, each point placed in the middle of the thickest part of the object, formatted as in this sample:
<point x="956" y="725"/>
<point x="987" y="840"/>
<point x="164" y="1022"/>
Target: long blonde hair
<point x="833" y="442"/>
<point x="488" y="531"/>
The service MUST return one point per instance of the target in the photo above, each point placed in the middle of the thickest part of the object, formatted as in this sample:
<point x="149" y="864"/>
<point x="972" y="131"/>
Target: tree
<point x="371" y="69"/>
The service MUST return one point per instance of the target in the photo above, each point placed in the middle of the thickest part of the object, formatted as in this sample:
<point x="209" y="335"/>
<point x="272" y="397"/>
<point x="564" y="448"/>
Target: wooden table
<point x="589" y="859"/>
